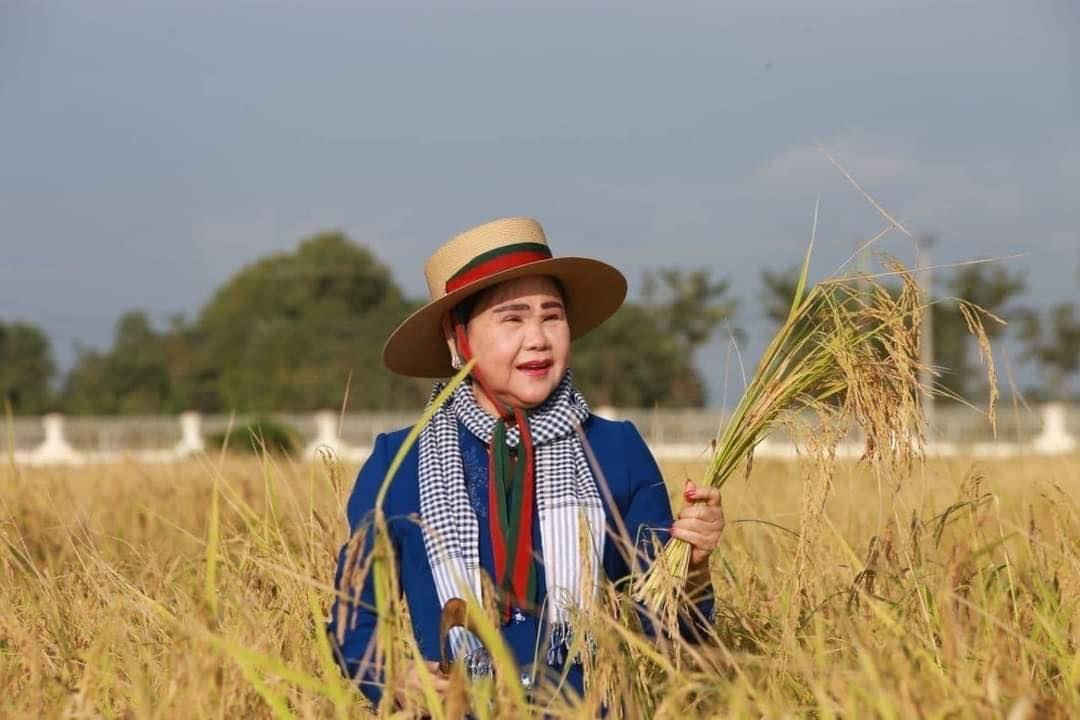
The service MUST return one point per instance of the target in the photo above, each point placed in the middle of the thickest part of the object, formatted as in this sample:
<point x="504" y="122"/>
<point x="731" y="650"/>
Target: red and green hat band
<point x="495" y="261"/>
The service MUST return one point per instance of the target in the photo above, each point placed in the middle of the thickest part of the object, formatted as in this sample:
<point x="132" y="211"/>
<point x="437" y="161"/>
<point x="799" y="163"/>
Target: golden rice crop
<point x="952" y="594"/>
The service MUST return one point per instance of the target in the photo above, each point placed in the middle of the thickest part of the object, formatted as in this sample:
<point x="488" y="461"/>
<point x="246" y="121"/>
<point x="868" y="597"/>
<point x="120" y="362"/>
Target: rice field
<point x="199" y="590"/>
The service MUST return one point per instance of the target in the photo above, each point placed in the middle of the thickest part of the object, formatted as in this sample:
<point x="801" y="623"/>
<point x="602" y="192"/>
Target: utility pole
<point x="926" y="343"/>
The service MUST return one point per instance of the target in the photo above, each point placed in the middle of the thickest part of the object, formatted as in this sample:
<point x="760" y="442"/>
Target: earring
<point x="455" y="362"/>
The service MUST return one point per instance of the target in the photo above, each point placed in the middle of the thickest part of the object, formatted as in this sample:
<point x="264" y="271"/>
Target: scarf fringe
<point x="562" y="637"/>
<point x="479" y="663"/>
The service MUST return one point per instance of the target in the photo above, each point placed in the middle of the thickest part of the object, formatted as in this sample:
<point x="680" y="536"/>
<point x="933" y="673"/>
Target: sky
<point x="150" y="150"/>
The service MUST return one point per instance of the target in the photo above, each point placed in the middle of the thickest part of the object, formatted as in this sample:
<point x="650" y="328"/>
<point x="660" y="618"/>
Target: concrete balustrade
<point x="191" y="439"/>
<point x="1055" y="438"/>
<point x="55" y="447"/>
<point x="1052" y="438"/>
<point x="327" y="443"/>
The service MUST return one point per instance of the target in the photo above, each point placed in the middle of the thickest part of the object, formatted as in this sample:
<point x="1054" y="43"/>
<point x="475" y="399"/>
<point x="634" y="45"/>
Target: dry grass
<point x="954" y="595"/>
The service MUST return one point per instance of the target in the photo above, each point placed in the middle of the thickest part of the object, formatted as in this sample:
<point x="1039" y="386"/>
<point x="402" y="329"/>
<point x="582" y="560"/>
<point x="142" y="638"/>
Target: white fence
<point x="1051" y="429"/>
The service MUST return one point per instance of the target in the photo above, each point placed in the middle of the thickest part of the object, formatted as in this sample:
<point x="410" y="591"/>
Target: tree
<point x="26" y="368"/>
<point x="288" y="332"/>
<point x="194" y="379"/>
<point x="992" y="288"/>
<point x="1054" y="344"/>
<point x="643" y="355"/>
<point x="776" y="294"/>
<point x="132" y="377"/>
<point x="777" y="291"/>
<point x="629" y="361"/>
<point x="688" y="305"/>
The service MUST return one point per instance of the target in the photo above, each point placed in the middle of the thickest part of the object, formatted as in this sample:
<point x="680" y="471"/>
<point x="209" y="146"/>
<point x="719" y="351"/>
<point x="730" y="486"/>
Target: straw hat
<point x="484" y="256"/>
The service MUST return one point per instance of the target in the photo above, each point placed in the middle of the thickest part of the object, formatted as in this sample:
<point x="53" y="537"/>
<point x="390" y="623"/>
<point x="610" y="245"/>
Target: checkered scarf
<point x="565" y="492"/>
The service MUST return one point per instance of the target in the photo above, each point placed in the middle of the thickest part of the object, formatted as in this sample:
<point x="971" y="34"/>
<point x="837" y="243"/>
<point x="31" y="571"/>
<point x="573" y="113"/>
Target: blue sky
<point x="149" y="150"/>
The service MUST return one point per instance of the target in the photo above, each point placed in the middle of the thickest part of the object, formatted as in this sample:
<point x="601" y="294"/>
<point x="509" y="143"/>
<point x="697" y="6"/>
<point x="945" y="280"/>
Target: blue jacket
<point x="637" y="489"/>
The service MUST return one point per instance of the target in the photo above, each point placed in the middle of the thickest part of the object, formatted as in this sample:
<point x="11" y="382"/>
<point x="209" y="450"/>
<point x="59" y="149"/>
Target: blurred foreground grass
<point x="949" y="593"/>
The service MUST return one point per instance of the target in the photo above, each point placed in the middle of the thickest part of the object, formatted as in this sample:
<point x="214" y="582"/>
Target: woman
<point x="500" y="477"/>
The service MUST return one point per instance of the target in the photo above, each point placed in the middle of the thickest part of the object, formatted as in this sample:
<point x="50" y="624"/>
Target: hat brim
<point x="594" y="290"/>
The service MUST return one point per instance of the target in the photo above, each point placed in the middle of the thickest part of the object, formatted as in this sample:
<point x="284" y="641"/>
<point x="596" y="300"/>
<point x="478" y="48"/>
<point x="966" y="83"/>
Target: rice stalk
<point x="848" y="353"/>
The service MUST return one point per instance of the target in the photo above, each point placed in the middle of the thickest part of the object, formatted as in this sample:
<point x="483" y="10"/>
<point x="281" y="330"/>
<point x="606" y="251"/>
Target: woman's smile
<point x="535" y="368"/>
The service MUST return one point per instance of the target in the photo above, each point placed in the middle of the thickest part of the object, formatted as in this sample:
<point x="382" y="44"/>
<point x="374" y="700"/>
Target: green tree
<point x="132" y="377"/>
<point x="193" y="378"/>
<point x="1053" y="343"/>
<point x="26" y="368"/>
<point x="643" y="355"/>
<point x="288" y="332"/>
<point x="291" y="330"/>
<point x="629" y="361"/>
<point x="777" y="290"/>
<point x="776" y="293"/>
<point x="688" y="305"/>
<point x="993" y="288"/>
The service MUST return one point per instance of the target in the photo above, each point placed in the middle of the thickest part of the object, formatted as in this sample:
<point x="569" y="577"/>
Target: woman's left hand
<point x="700" y="521"/>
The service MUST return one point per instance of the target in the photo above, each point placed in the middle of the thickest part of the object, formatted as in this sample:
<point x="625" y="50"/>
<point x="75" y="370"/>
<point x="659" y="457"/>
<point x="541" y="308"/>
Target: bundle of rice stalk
<point x="849" y="352"/>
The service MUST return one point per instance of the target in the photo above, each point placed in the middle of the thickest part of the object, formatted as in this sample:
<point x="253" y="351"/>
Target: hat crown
<point x="466" y="247"/>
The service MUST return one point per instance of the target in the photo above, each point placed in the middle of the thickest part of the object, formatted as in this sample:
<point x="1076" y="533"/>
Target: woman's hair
<point x="463" y="311"/>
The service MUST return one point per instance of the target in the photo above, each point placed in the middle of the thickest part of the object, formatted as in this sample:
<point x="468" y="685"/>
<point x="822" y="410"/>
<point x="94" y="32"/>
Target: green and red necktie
<point x="511" y="500"/>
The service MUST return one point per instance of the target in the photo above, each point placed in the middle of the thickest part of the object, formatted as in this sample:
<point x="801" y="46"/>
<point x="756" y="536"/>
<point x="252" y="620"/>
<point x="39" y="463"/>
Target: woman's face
<point x="519" y="335"/>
